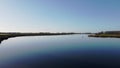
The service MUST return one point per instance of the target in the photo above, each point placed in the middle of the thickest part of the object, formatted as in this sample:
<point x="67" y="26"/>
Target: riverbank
<point x="105" y="35"/>
<point x="111" y="34"/>
<point x="4" y="36"/>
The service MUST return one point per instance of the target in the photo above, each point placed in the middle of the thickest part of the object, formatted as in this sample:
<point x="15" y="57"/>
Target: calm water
<point x="69" y="51"/>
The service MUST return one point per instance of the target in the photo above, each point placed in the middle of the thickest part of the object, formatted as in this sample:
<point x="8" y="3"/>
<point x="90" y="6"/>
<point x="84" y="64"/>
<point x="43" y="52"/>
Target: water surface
<point x="66" y="51"/>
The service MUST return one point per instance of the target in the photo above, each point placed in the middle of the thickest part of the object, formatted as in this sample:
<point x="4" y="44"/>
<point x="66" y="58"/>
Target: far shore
<point x="4" y="36"/>
<point x="7" y="35"/>
<point x="107" y="34"/>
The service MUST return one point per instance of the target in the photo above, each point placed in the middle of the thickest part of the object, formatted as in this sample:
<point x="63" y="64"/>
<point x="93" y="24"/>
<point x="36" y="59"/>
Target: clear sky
<point x="59" y="15"/>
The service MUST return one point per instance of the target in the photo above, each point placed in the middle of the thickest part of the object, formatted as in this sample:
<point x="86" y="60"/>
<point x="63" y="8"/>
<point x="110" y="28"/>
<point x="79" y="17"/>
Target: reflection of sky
<point x="24" y="50"/>
<point x="59" y="15"/>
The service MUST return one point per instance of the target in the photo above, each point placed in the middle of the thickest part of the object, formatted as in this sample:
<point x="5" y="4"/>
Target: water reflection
<point x="73" y="51"/>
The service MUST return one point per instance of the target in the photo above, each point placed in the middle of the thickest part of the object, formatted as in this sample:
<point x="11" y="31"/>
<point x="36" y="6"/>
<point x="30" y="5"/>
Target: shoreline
<point x="105" y="35"/>
<point x="5" y="36"/>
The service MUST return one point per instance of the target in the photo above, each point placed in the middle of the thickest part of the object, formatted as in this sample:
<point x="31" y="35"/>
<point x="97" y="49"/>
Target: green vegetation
<point x="114" y="34"/>
<point x="31" y="34"/>
<point x="7" y="35"/>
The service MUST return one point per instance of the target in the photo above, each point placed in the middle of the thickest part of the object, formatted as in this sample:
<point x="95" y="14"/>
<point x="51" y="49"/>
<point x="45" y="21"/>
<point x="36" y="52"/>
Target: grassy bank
<point x="5" y="35"/>
<point x="106" y="34"/>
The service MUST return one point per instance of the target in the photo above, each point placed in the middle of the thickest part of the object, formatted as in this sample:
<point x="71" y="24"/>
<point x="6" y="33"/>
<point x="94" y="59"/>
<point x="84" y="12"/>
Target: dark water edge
<point x="105" y="55"/>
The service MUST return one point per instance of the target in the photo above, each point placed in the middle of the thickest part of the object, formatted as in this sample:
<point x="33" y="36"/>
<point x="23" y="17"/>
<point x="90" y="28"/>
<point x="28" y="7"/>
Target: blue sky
<point x="59" y="15"/>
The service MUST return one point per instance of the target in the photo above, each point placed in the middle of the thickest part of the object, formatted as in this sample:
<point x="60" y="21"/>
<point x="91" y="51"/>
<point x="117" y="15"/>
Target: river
<point x="63" y="51"/>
